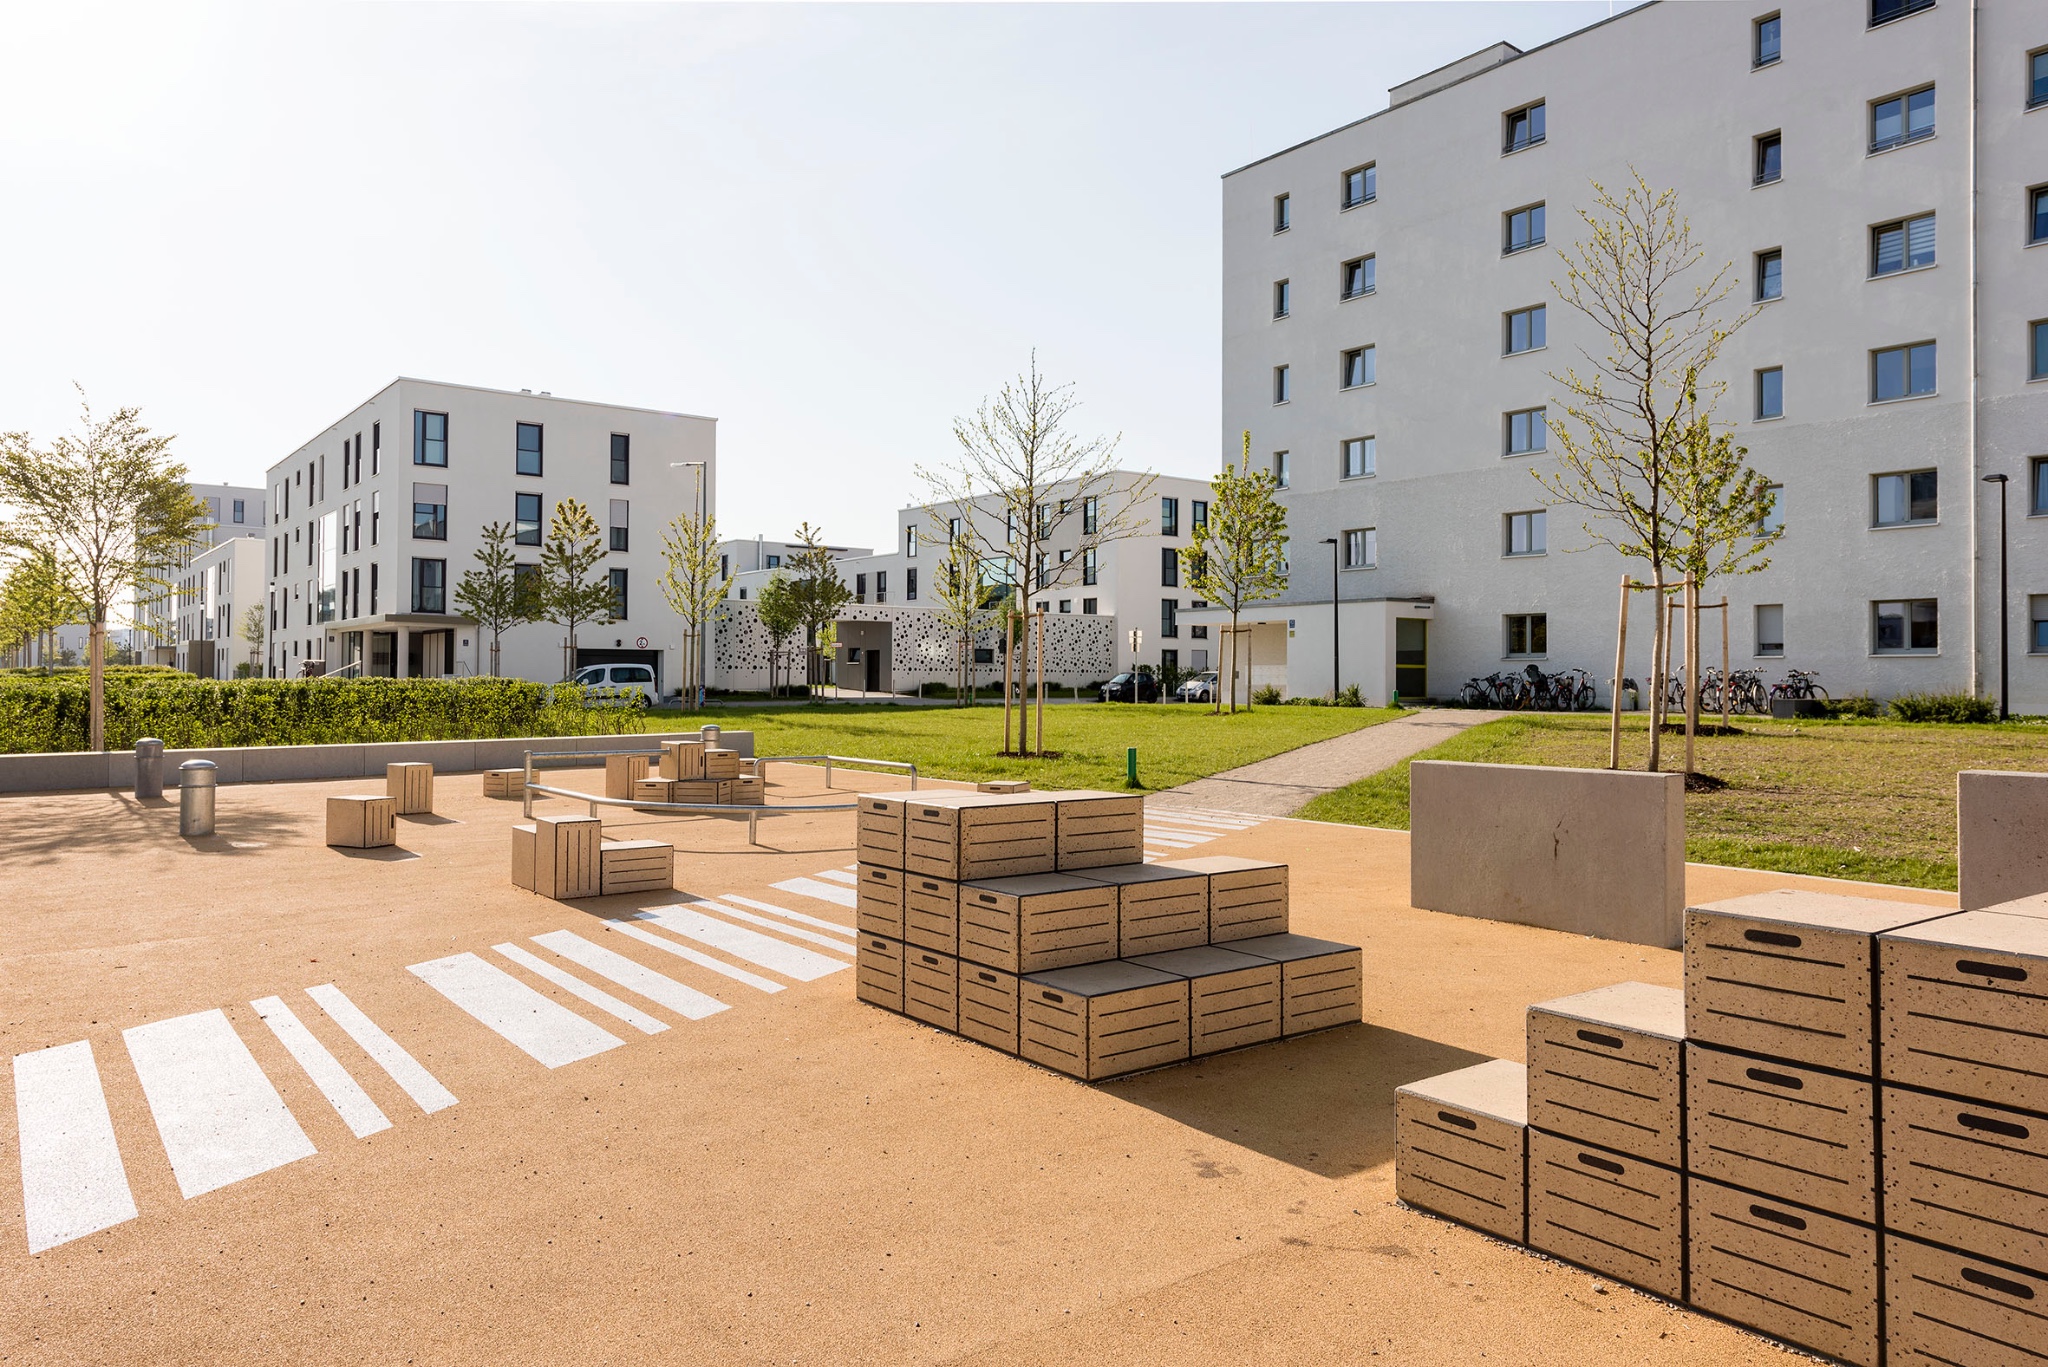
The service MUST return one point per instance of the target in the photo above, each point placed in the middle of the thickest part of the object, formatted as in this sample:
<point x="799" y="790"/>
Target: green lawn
<point x="1850" y="799"/>
<point x="1176" y="742"/>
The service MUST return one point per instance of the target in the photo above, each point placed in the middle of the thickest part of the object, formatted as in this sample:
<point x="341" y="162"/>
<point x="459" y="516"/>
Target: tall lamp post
<point x="693" y="668"/>
<point x="1336" y="581"/>
<point x="2004" y="673"/>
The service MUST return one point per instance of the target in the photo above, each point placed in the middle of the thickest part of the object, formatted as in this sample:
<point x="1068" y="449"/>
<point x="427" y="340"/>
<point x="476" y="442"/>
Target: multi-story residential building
<point x="165" y="611"/>
<point x="213" y="597"/>
<point x="1876" y="171"/>
<point x="375" y="521"/>
<point x="760" y="553"/>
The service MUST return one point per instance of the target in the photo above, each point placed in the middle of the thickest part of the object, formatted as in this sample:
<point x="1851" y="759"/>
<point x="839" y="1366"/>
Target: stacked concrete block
<point x="1099" y="1020"/>
<point x="931" y="987"/>
<point x="1461" y="1146"/>
<point x="503" y="783"/>
<point x="1233" y="999"/>
<point x="1036" y="921"/>
<point x="635" y="866"/>
<point x="720" y="765"/>
<point x="988" y="1005"/>
<point x="1247" y="897"/>
<point x="621" y="772"/>
<point x="1794" y="1273"/>
<point x="565" y="856"/>
<point x="1609" y="1211"/>
<point x="743" y="791"/>
<point x="1157" y="908"/>
<point x="1004" y="786"/>
<point x="878" y="901"/>
<point x="1320" y="980"/>
<point x="878" y="830"/>
<point x="361" y="823"/>
<point x="878" y="971"/>
<point x="1095" y="830"/>
<point x="682" y="759"/>
<point x="410" y="787"/>
<point x="965" y="836"/>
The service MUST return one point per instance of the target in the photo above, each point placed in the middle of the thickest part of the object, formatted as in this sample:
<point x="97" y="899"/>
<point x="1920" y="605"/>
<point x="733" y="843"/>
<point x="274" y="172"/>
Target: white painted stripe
<point x="545" y="1029"/>
<point x="220" y="1119"/>
<point x="824" y="892"/>
<point x="838" y="876"/>
<point x="685" y="1001"/>
<point x="780" y="955"/>
<point x="1238" y="819"/>
<point x="72" y="1180"/>
<point x="349" y="1100"/>
<point x="838" y="946"/>
<point x="576" y="987"/>
<point x="1167" y="828"/>
<point x="1173" y="816"/>
<point x="786" y="914"/>
<point x="1162" y="842"/>
<point x="405" y="1070"/>
<point x="1189" y="814"/>
<point x="695" y="956"/>
<point x="851" y="868"/>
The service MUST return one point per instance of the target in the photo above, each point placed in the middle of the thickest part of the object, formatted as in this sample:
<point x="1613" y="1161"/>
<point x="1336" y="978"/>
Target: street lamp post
<point x="2004" y="674"/>
<point x="1336" y="581"/>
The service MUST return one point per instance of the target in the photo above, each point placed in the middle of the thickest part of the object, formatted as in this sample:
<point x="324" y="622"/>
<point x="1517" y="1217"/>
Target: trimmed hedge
<point x="39" y="714"/>
<point x="1944" y="707"/>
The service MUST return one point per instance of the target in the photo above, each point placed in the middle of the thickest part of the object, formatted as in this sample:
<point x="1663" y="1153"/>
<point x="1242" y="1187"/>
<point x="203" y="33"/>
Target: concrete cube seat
<point x="504" y="782"/>
<point x="1461" y="1146"/>
<point x="361" y="822"/>
<point x="564" y="859"/>
<point x="411" y="787"/>
<point x="636" y="866"/>
<point x="621" y="772"/>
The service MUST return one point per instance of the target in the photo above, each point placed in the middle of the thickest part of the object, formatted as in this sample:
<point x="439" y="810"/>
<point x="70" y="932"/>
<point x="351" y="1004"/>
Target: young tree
<point x="572" y="588"/>
<point x="492" y="594"/>
<point x="1239" y="556"/>
<point x="819" y="592"/>
<point x="110" y="507"/>
<point x="691" y="584"/>
<point x="962" y="593"/>
<point x="253" y="632"/>
<point x="1634" y="414"/>
<point x="781" y="617"/>
<point x="35" y="603"/>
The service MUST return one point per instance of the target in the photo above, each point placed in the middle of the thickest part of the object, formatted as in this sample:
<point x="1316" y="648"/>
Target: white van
<point x="625" y="685"/>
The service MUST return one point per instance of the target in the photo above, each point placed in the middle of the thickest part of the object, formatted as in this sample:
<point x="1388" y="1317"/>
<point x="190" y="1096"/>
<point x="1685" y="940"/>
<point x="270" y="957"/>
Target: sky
<point x="834" y="228"/>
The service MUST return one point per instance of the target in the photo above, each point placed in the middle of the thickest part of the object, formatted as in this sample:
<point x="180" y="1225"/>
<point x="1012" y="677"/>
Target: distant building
<point x="165" y="616"/>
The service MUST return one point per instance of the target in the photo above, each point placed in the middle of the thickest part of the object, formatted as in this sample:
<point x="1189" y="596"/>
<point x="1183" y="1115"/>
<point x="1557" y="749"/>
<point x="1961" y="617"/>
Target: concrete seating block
<point x="1094" y="829"/>
<point x="749" y="767"/>
<point x="411" y="787"/>
<point x="1035" y="921"/>
<point x="522" y="857"/>
<point x="878" y="901"/>
<point x="1233" y="999"/>
<point x="1321" y="981"/>
<point x="1157" y="908"/>
<point x="1101" y="1020"/>
<point x="931" y="914"/>
<point x="699" y="790"/>
<point x="1608" y="1211"/>
<point x="2001" y="837"/>
<point x="1461" y="1147"/>
<point x="1948" y="1307"/>
<point x="1968" y="1175"/>
<point x="931" y="987"/>
<point x="721" y="764"/>
<point x="503" y="783"/>
<point x="636" y="866"/>
<point x="1783" y="1129"/>
<point x="565" y="856"/>
<point x="1963" y="1006"/>
<point x="1247" y="897"/>
<point x="988" y="1006"/>
<point x="1004" y="785"/>
<point x="878" y="971"/>
<point x="621" y="772"/>
<point x="878" y="834"/>
<point x="1608" y="1067"/>
<point x="654" y="790"/>
<point x="978" y="835"/>
<point x="741" y="792"/>
<point x="361" y="823"/>
<point x="1791" y="1272"/>
<point x="682" y="759"/>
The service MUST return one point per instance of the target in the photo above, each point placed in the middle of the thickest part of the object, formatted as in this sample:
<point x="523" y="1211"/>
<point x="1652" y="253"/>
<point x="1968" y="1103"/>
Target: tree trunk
<point x="1248" y="673"/>
<point x="1659" y="644"/>
<point x="1009" y="662"/>
<point x="1233" y="662"/>
<point x="96" y="650"/>
<point x="494" y="656"/>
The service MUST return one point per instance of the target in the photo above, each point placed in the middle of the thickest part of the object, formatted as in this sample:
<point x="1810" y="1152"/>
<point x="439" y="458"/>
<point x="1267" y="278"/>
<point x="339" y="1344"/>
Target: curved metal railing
<point x="752" y="813"/>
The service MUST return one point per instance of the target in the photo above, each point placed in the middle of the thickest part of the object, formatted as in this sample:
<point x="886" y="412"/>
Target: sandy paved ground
<point x="1283" y="784"/>
<point x="797" y="1179"/>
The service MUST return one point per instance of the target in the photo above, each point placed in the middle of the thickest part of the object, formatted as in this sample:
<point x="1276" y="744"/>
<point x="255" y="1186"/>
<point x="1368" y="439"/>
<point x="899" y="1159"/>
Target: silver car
<point x="1199" y="688"/>
<point x="623" y="685"/>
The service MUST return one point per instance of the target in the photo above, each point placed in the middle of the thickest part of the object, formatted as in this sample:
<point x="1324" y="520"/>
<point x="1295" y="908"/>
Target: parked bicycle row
<point x="1745" y="690"/>
<point x="1568" y="690"/>
<point x="1571" y="690"/>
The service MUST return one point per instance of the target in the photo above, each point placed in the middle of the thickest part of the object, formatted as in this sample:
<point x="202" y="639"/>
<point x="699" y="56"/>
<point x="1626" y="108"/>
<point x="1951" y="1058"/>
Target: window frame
<point x="1757" y="648"/>
<point x="519" y="431"/>
<point x="1906" y="349"/>
<point x="1169" y="515"/>
<point x="1907" y="500"/>
<point x="1758" y="176"/>
<point x="437" y="526"/>
<point x="1282" y="302"/>
<point x="1361" y="548"/>
<point x="421" y="441"/>
<point x="1368" y="465"/>
<point x="1508" y="246"/>
<point x="1536" y="534"/>
<point x="1368" y="269"/>
<point x="1538" y="426"/>
<point x="1534" y="114"/>
<point x="1283" y="385"/>
<point x="1367" y="359"/>
<point x="1904" y="228"/>
<point x="1169" y="567"/>
<point x="616" y="580"/>
<point x="2037" y="83"/>
<point x="1535" y="314"/>
<point x="1906" y="135"/>
<point x="419" y="586"/>
<point x="1769" y="256"/>
<point x="1907" y="9"/>
<point x="1533" y="624"/>
<point x="2037" y="350"/>
<point x="1283" y="213"/>
<point x="2037" y="215"/>
<point x="1283" y="471"/>
<point x="1877" y="606"/>
<point x="1757" y="412"/>
<point x="520" y="537"/>
<point x="2037" y="624"/>
<point x="1757" y="60"/>
<point x="621" y="458"/>
<point x="1371" y="187"/>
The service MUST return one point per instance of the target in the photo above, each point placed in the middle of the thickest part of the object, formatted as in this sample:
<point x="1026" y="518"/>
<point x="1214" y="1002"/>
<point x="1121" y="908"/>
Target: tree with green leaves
<point x="962" y="594"/>
<point x="1238" y="557"/>
<point x="253" y="632"/>
<point x="35" y="603"/>
<point x="781" y="617"/>
<point x="494" y="595"/>
<point x="572" y="587"/>
<point x="110" y="507"/>
<point x="693" y="588"/>
<point x="820" y="594"/>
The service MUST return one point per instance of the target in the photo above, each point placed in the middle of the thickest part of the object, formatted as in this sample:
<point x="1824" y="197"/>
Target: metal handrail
<point x="829" y="760"/>
<point x="753" y="814"/>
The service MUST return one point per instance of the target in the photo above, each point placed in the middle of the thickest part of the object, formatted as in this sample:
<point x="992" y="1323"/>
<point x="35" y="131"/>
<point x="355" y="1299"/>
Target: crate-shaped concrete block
<point x="750" y="767"/>
<point x="621" y="772"/>
<point x="878" y="971"/>
<point x="699" y="790"/>
<point x="878" y="901"/>
<point x="410" y="786"/>
<point x="361" y="823"/>
<point x="682" y="759"/>
<point x="1965" y="1006"/>
<point x="1944" y="1307"/>
<point x="1320" y="980"/>
<point x="1788" y="974"/>
<point x="741" y="792"/>
<point x="931" y="913"/>
<point x="1100" y="1020"/>
<point x="878" y="830"/>
<point x="1792" y="1272"/>
<point x="1233" y="999"/>
<point x="2001" y="837"/>
<point x="1608" y="1067"/>
<point x="1158" y="908"/>
<point x="522" y="857"/>
<point x="1968" y="1175"/>
<point x="1783" y="1129"/>
<point x="565" y="856"/>
<point x="503" y="783"/>
<point x="1004" y="786"/>
<point x="931" y="987"/>
<point x="1037" y="921"/>
<point x="721" y="764"/>
<point x="1608" y="1211"/>
<point x="654" y="790"/>
<point x="988" y="1006"/>
<point x="1247" y="897"/>
<point x="1094" y="829"/>
<point x="636" y="866"/>
<point x="1461" y="1147"/>
<point x="965" y="836"/>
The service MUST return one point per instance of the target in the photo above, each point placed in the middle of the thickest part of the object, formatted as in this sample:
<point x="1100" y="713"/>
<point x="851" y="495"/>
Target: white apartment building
<point x="214" y="594"/>
<point x="165" y="618"/>
<point x="1877" y="173"/>
<point x="761" y="553"/>
<point x="375" y="520"/>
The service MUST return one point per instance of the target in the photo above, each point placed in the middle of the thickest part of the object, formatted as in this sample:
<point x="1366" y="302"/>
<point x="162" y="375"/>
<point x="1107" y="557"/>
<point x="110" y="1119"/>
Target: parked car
<point x="1131" y="688"/>
<point x="1199" y="688"/>
<point x="620" y="685"/>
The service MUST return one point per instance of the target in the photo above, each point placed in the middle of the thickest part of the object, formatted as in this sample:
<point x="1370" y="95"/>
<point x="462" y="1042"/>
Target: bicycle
<point x="1799" y="683"/>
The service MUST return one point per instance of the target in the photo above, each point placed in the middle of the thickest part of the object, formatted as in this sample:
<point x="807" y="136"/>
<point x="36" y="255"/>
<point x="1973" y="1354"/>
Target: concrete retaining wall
<point x="2001" y="836"/>
<point x="1593" y="851"/>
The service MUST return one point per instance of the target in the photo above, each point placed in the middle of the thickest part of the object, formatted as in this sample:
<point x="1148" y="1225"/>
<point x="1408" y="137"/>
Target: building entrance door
<point x="874" y="664"/>
<point x="1411" y="657"/>
<point x="383" y="654"/>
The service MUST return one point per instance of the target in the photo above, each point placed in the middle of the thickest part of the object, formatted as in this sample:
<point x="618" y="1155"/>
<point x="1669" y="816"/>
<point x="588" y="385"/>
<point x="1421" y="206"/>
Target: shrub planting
<point x="1943" y="707"/>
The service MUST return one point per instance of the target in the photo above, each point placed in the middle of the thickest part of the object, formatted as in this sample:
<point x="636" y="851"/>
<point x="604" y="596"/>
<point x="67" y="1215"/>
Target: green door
<point x="1411" y="657"/>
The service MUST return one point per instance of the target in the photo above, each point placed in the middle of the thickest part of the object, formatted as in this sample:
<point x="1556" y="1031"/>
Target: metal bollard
<point x="197" y="780"/>
<point x="149" y="767"/>
<point x="709" y="732"/>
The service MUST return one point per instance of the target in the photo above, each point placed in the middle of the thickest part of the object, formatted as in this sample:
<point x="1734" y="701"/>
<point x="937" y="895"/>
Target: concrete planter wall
<point x="1592" y="851"/>
<point x="2001" y="836"/>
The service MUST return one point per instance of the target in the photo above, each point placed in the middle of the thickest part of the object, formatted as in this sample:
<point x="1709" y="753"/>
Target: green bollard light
<point x="1131" y="767"/>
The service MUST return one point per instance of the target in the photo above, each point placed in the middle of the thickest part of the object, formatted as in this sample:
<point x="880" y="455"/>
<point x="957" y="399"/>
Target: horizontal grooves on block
<point x="878" y="971"/>
<point x="1610" y="1212"/>
<point x="1810" y="1004"/>
<point x="1968" y="1175"/>
<point x="1476" y="1176"/>
<point x="1944" y="1307"/>
<point x="1792" y="1132"/>
<point x="1624" y="1096"/>
<point x="1968" y="1034"/>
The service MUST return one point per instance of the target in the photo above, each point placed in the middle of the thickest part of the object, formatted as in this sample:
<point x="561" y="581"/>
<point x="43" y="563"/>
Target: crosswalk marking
<point x="1152" y="838"/>
<point x="811" y="936"/>
<point x="405" y="1070"/>
<point x="1176" y="829"/>
<point x="824" y="892"/>
<point x="1233" y="820"/>
<point x="695" y="956"/>
<point x="838" y="876"/>
<point x="576" y="987"/>
<point x="780" y="956"/>
<point x="72" y="1180"/>
<point x="549" y="1032"/>
<point x="343" y="1092"/>
<point x="786" y="914"/>
<point x="614" y="967"/>
<point x="220" y="1119"/>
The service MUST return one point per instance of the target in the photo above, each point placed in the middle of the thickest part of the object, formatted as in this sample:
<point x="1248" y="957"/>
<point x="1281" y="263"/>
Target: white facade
<point x="214" y="594"/>
<point x="374" y="522"/>
<point x="1691" y="95"/>
<point x="163" y="615"/>
<point x="760" y="553"/>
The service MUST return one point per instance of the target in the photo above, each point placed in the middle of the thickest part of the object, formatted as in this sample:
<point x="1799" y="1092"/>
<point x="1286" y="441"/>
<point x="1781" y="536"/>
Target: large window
<point x="525" y="584"/>
<point x="1091" y="517"/>
<point x="1522" y="229"/>
<point x="1528" y="634"/>
<point x="1088" y="607"/>
<point x="1523" y="330"/>
<point x="1088" y="566"/>
<point x="1765" y="49"/>
<point x="1905" y="627"/>
<point x="1359" y="367"/>
<point x="2037" y="214"/>
<point x="527" y="439"/>
<point x="1361" y="548"/>
<point x="882" y="581"/>
<point x="1902" y="372"/>
<point x="1361" y="276"/>
<point x="429" y="438"/>
<point x="1283" y="213"/>
<point x="1169" y="618"/>
<point x="1359" y="457"/>
<point x="1280" y="384"/>
<point x="1169" y="567"/>
<point x="430" y="512"/>
<point x="1525" y="533"/>
<point x="1884" y="11"/>
<point x="1770" y="275"/>
<point x="1770" y="628"/>
<point x="526" y="519"/>
<point x="910" y="584"/>
<point x="2037" y="349"/>
<point x="2037" y="506"/>
<point x="622" y="458"/>
<point x="1169" y="517"/>
<point x="618" y="583"/>
<point x="1527" y="432"/>
<point x="910" y="540"/>
<point x="1902" y="119"/>
<point x="2037" y="78"/>
<point x="1770" y="392"/>
<point x="1281" y="470"/>
<point x="1522" y="128"/>
<point x="1769" y="159"/>
<point x="1198" y="512"/>
<point x="1361" y="186"/>
<point x="430" y="586"/>
<point x="1280" y="298"/>
<point x="1772" y="520"/>
<point x="1907" y="497"/>
<point x="1904" y="245"/>
<point x="239" y="508"/>
<point x="621" y="524"/>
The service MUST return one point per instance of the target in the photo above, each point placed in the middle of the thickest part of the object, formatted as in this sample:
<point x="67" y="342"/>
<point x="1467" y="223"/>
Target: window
<point x="1169" y="567"/>
<point x="1773" y="519"/>
<point x="1169" y="517"/>
<point x="1361" y="548"/>
<point x="622" y="458"/>
<point x="1088" y="568"/>
<point x="238" y="510"/>
<point x="1091" y="515"/>
<point x="2037" y="205"/>
<point x="1902" y="119"/>
<point x="1359" y="456"/>
<point x="376" y="448"/>
<point x="621" y="517"/>
<point x="910" y="540"/>
<point x="1902" y="372"/>
<point x="429" y="585"/>
<point x="1770" y="159"/>
<point x="953" y="530"/>
<point x="860" y="588"/>
<point x="528" y="442"/>
<point x="1770" y="275"/>
<point x="373" y="588"/>
<point x="1770" y="628"/>
<point x="1279" y="384"/>
<point x="1902" y="246"/>
<point x="1361" y="185"/>
<point x="1770" y="393"/>
<point x="1198" y="512"/>
<point x="1524" y="229"/>
<point x="1765" y="50"/>
<point x="2037" y="79"/>
<point x="1088" y="607"/>
<point x="1282" y="213"/>
<point x="376" y="513"/>
<point x="1360" y="276"/>
<point x="1905" y="498"/>
<point x="2037" y="349"/>
<point x="1359" y="367"/>
<point x="1524" y="330"/>
<point x="1279" y="298"/>
<point x="430" y="512"/>
<point x="1525" y="533"/>
<point x="882" y="586"/>
<point x="429" y="438"/>
<point x="1884" y="11"/>
<point x="1528" y="633"/>
<point x="1527" y="432"/>
<point x="1280" y="470"/>
<point x="772" y="562"/>
<point x="1066" y="605"/>
<point x="526" y="519"/>
<point x="2037" y="624"/>
<point x="1524" y="128"/>
<point x="1169" y="618"/>
<point x="618" y="582"/>
<point x="1044" y="575"/>
<point x="1905" y="627"/>
<point x="910" y="584"/>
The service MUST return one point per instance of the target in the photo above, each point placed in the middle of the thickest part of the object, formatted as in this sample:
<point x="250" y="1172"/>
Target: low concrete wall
<point x="1593" y="851"/>
<point x="2001" y="836"/>
<point x="279" y="763"/>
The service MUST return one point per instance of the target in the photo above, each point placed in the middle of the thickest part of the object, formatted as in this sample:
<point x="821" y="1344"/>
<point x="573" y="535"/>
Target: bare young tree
<point x="962" y="594"/>
<point x="693" y="589"/>
<point x="781" y="617"/>
<point x="253" y="633"/>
